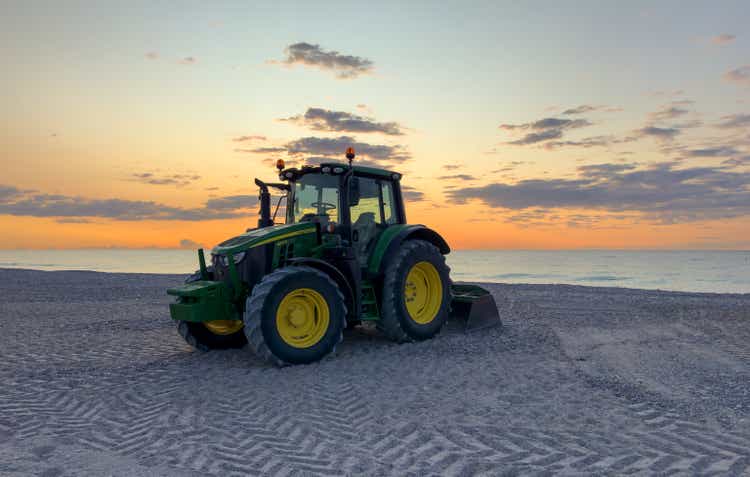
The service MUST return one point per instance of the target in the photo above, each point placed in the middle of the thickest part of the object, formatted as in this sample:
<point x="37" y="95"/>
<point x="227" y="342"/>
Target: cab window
<point x="389" y="208"/>
<point x="315" y="198"/>
<point x="368" y="206"/>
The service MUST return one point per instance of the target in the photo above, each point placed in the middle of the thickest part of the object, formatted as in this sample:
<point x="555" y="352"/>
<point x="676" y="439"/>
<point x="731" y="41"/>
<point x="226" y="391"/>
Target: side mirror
<point x="353" y="191"/>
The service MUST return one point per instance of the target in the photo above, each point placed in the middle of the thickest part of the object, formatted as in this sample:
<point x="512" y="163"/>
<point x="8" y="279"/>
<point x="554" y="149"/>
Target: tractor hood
<point x="262" y="236"/>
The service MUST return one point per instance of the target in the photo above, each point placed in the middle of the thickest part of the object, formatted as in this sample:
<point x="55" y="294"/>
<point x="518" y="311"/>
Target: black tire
<point x="260" y="315"/>
<point x="395" y="321"/>
<point x="200" y="337"/>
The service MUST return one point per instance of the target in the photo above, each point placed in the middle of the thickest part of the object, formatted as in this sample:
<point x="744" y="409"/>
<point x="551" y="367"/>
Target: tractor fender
<point x="390" y="241"/>
<point x="336" y="275"/>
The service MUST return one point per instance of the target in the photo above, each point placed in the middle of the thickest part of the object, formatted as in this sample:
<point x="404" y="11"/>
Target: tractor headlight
<point x="325" y="170"/>
<point x="238" y="257"/>
<point x="338" y="170"/>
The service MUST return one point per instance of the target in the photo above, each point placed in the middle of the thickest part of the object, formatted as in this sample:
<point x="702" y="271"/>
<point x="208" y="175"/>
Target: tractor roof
<point x="364" y="170"/>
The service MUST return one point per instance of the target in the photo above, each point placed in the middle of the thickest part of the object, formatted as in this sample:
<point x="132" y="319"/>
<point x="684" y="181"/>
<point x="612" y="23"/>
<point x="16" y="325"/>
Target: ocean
<point x="692" y="271"/>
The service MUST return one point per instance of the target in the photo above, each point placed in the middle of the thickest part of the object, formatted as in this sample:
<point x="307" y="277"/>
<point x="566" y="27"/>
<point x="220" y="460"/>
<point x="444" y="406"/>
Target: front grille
<point x="250" y="270"/>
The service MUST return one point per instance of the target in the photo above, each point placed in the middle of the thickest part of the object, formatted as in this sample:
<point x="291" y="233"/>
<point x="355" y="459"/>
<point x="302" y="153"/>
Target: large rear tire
<point x="415" y="298"/>
<point x="295" y="315"/>
<point x="208" y="335"/>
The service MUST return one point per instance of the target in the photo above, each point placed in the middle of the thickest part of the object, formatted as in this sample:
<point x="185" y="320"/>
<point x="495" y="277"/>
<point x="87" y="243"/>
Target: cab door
<point x="371" y="211"/>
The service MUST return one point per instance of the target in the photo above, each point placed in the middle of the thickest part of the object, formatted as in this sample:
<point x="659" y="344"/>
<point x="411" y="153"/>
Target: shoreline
<point x="180" y="276"/>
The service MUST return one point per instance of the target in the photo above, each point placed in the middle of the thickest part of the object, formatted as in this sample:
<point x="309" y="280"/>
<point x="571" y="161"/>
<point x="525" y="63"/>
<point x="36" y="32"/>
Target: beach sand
<point x="96" y="381"/>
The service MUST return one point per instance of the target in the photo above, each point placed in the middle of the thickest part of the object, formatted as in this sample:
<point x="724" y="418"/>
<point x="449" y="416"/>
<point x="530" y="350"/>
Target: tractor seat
<point x="367" y="230"/>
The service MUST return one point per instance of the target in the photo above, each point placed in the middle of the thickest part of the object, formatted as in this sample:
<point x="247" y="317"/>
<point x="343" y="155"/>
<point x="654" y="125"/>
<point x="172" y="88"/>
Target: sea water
<point x="696" y="271"/>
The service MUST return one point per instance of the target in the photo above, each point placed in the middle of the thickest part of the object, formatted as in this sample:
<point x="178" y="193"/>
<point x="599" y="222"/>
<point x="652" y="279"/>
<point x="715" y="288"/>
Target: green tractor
<point x="344" y="255"/>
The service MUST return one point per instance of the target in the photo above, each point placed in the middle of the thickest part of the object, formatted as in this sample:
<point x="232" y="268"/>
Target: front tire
<point x="208" y="335"/>
<point x="295" y="315"/>
<point x="416" y="293"/>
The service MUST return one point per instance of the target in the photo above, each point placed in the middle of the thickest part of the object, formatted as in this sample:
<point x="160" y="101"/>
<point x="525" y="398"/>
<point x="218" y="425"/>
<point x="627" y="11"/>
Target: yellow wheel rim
<point x="302" y="318"/>
<point x="223" y="327"/>
<point x="423" y="292"/>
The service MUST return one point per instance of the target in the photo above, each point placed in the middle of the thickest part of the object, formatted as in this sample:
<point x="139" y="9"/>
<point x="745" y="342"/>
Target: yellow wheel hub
<point x="302" y="318"/>
<point x="423" y="292"/>
<point x="223" y="327"/>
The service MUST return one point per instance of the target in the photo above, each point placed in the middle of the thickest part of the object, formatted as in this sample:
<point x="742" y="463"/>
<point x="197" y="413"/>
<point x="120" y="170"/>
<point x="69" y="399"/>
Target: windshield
<point x="315" y="199"/>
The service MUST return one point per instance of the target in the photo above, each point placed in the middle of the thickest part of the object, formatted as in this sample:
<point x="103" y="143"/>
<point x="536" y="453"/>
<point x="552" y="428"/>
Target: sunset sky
<point x="521" y="125"/>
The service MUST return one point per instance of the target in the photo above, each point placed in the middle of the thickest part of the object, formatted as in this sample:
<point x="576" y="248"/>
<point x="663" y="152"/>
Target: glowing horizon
<point x="603" y="126"/>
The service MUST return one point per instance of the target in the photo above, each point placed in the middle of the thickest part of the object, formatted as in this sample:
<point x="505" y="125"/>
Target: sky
<point x="516" y="125"/>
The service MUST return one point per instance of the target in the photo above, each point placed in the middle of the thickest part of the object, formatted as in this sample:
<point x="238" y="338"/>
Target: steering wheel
<point x="323" y="206"/>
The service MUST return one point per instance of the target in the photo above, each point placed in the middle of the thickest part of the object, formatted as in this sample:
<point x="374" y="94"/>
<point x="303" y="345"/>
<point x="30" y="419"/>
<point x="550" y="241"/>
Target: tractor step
<point x="369" y="303"/>
<point x="475" y="306"/>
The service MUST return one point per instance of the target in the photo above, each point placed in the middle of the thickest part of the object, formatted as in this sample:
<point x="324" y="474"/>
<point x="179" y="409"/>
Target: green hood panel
<point x="262" y="236"/>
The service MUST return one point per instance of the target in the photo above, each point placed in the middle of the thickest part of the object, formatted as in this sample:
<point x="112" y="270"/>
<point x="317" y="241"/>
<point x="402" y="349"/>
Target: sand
<point x="605" y="381"/>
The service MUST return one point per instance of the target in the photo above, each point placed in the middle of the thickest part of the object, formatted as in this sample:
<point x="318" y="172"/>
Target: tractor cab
<point x="353" y="205"/>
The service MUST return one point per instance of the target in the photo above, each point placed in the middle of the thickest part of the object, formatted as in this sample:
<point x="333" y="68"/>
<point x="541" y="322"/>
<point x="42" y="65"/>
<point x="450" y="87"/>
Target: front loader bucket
<point x="474" y="306"/>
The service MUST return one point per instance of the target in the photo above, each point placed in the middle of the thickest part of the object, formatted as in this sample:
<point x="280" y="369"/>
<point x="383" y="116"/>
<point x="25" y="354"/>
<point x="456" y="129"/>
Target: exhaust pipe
<point x="265" y="205"/>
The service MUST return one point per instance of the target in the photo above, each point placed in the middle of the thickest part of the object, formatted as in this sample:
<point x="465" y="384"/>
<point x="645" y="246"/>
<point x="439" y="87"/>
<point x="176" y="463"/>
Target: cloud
<point x="8" y="192"/>
<point x="343" y="66"/>
<point x="189" y="244"/>
<point x="458" y="177"/>
<point x="64" y="207"/>
<point x="179" y="180"/>
<point x="739" y="75"/>
<point x="737" y="161"/>
<point x="586" y="142"/>
<point x="720" y="151"/>
<point x="734" y="121"/>
<point x="533" y="138"/>
<point x="263" y="150"/>
<point x="188" y="60"/>
<point x="584" y="108"/>
<point x="587" y="108"/>
<point x="532" y="218"/>
<point x="452" y="167"/>
<point x="605" y="170"/>
<point x="543" y="130"/>
<point x="335" y="147"/>
<point x="411" y="193"/>
<point x="546" y="123"/>
<point x="508" y="167"/>
<point x="152" y="55"/>
<point x="249" y="138"/>
<point x="657" y="132"/>
<point x="723" y="39"/>
<point x="548" y="217"/>
<point x="319" y="119"/>
<point x="667" y="112"/>
<point x="661" y="192"/>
